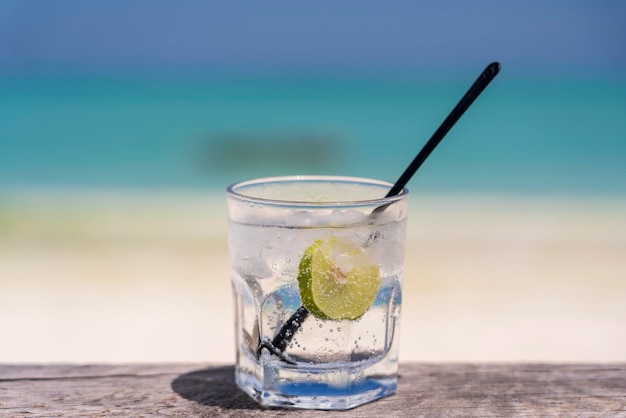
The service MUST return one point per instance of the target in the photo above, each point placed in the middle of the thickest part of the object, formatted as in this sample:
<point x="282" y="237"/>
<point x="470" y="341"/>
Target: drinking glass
<point x="335" y="245"/>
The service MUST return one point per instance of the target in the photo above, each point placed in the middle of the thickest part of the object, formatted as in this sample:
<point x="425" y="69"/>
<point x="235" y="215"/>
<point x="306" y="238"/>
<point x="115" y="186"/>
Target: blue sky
<point x="531" y="37"/>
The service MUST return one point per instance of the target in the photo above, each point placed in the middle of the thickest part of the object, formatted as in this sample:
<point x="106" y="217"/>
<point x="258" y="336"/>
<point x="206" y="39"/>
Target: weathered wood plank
<point x="428" y="390"/>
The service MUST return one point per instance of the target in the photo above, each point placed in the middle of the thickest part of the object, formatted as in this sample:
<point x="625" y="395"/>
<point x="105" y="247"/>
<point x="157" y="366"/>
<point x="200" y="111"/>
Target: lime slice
<point x="336" y="279"/>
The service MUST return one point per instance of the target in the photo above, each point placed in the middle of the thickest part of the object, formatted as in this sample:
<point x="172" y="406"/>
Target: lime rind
<point x="305" y="280"/>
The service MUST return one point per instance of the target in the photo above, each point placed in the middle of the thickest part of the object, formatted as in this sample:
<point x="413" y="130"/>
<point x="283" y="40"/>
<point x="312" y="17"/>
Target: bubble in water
<point x="288" y="260"/>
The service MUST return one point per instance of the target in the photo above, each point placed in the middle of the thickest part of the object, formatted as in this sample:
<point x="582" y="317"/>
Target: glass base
<point x="309" y="388"/>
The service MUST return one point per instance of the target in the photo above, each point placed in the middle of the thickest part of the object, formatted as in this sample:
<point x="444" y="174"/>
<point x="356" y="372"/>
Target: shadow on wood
<point x="214" y="386"/>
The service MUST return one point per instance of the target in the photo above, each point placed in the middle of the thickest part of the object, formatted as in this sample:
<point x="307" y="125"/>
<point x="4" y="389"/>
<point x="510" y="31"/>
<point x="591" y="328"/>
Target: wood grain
<point x="427" y="390"/>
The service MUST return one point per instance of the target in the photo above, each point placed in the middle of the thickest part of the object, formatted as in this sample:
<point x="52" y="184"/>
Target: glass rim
<point x="232" y="191"/>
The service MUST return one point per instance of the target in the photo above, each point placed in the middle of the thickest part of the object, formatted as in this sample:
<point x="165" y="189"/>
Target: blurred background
<point x="121" y="125"/>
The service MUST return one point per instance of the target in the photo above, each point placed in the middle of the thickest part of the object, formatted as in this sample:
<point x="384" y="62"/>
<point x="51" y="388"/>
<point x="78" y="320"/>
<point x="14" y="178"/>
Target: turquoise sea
<point x="524" y="135"/>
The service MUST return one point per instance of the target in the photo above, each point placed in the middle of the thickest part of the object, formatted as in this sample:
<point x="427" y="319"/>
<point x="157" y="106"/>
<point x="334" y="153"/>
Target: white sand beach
<point x="120" y="277"/>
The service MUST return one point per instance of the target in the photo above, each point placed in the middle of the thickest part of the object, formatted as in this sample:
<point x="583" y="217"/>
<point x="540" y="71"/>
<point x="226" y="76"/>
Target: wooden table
<point x="429" y="390"/>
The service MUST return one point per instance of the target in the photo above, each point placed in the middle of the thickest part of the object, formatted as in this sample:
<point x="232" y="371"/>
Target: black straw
<point x="479" y="85"/>
<point x="281" y="340"/>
